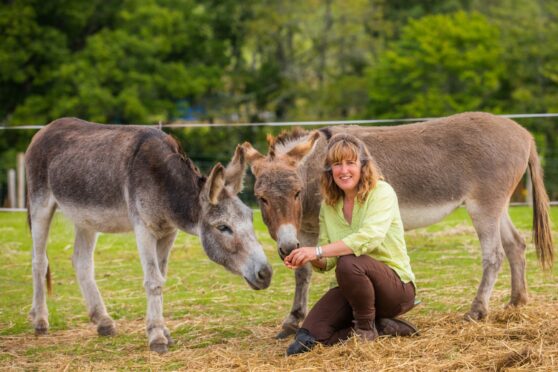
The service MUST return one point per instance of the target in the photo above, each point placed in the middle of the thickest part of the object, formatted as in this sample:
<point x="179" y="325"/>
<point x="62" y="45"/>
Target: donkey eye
<point x="297" y="195"/>
<point x="263" y="200"/>
<point x="224" y="229"/>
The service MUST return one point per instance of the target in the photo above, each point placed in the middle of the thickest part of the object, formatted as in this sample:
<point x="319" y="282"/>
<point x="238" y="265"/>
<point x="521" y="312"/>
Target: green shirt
<point x="376" y="230"/>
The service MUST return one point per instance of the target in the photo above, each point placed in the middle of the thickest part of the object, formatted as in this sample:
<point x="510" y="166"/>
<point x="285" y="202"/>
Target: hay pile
<point x="517" y="339"/>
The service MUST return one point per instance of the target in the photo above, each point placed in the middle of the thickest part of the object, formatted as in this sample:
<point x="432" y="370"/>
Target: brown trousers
<point x="368" y="289"/>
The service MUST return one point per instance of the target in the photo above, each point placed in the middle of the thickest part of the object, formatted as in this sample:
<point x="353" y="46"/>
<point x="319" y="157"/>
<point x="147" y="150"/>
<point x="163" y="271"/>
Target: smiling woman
<point x="361" y="234"/>
<point x="346" y="160"/>
<point x="346" y="174"/>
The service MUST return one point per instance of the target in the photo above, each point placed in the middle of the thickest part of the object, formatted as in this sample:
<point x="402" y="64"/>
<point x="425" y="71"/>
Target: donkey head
<point x="279" y="186"/>
<point x="226" y="228"/>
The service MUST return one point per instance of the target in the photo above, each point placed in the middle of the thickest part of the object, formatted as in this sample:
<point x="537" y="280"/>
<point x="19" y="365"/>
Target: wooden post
<point x="20" y="180"/>
<point x="11" y="188"/>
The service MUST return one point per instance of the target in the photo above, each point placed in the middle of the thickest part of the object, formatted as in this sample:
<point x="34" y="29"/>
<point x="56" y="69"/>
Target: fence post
<point x="11" y="188"/>
<point x="20" y="180"/>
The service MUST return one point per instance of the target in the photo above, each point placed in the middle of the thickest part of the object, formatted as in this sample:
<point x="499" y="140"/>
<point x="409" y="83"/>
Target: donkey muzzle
<point x="287" y="240"/>
<point x="261" y="278"/>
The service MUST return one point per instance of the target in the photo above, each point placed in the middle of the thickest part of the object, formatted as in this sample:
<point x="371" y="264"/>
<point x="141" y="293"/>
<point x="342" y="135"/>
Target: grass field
<point x="219" y="323"/>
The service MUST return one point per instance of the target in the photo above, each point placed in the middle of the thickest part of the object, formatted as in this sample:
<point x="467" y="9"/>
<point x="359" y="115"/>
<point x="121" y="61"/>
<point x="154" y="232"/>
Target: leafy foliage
<point x="442" y="64"/>
<point x="159" y="60"/>
<point x="133" y="73"/>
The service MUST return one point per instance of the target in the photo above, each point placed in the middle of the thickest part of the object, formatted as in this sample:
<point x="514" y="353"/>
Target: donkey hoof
<point x="41" y="328"/>
<point x="474" y="315"/>
<point x="157" y="347"/>
<point x="41" y="331"/>
<point x="106" y="330"/>
<point x="105" y="326"/>
<point x="286" y="332"/>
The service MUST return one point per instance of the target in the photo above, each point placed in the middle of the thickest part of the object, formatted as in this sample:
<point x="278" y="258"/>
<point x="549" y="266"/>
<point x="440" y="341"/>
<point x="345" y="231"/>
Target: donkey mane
<point x="286" y="140"/>
<point x="287" y="136"/>
<point x="178" y="150"/>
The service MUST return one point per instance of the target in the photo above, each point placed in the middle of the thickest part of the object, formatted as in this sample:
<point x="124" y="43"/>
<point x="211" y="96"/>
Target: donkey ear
<point x="215" y="184"/>
<point x="252" y="156"/>
<point x="234" y="173"/>
<point x="298" y="152"/>
<point x="250" y="153"/>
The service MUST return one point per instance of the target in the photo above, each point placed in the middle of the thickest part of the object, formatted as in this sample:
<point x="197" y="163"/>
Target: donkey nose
<point x="264" y="276"/>
<point x="286" y="239"/>
<point x="286" y="249"/>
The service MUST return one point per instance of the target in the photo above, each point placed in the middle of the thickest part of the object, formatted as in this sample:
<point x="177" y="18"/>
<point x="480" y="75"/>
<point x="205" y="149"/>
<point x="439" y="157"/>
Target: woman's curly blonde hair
<point x="347" y="147"/>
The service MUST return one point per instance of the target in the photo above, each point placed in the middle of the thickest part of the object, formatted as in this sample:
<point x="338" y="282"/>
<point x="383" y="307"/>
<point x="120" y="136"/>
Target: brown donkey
<point x="472" y="158"/>
<point x="109" y="178"/>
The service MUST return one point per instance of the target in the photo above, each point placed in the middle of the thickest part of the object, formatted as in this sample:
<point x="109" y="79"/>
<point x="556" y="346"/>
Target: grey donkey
<point x="112" y="178"/>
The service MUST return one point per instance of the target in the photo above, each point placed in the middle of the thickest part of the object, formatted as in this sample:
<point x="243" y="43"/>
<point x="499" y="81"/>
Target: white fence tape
<point x="299" y="123"/>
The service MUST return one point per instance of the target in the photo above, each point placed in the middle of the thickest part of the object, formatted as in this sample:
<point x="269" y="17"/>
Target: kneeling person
<point x="362" y="236"/>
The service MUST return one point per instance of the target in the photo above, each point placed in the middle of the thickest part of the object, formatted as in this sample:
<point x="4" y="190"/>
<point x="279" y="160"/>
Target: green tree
<point x="442" y="64"/>
<point x="528" y="32"/>
<point x="37" y="37"/>
<point x="132" y="69"/>
<point x="307" y="60"/>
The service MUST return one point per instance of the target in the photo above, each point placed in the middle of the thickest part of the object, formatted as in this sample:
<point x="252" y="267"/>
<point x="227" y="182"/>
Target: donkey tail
<point x="541" y="221"/>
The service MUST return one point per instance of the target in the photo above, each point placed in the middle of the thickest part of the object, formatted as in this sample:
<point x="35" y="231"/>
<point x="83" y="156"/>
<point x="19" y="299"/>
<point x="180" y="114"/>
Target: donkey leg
<point x="40" y="216"/>
<point x="300" y="303"/>
<point x="164" y="246"/>
<point x="514" y="246"/>
<point x="302" y="281"/>
<point x="82" y="260"/>
<point x="487" y="226"/>
<point x="153" y="284"/>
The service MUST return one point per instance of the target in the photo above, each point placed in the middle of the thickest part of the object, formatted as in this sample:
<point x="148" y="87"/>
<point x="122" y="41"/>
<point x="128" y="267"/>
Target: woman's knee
<point x="347" y="266"/>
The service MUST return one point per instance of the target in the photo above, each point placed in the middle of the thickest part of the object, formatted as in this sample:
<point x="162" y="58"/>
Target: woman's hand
<point x="299" y="257"/>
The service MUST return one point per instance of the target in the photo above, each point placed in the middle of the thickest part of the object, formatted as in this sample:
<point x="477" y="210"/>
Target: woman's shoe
<point x="366" y="334"/>
<point x="303" y="342"/>
<point x="395" y="327"/>
<point x="365" y="330"/>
